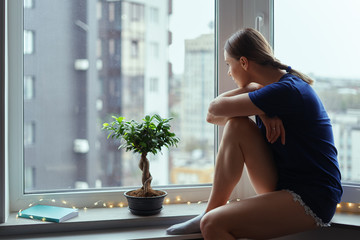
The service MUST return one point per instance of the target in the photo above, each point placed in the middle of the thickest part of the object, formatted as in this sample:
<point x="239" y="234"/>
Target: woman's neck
<point x="266" y="75"/>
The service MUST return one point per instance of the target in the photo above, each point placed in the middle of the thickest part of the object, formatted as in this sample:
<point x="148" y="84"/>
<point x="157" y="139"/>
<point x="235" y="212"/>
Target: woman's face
<point x="236" y="69"/>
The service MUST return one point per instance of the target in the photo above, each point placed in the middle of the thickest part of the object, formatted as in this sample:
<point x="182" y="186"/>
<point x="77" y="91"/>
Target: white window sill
<point x="119" y="223"/>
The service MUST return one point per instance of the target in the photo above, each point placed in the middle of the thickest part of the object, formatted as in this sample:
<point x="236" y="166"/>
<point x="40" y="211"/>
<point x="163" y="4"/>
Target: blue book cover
<point x="49" y="213"/>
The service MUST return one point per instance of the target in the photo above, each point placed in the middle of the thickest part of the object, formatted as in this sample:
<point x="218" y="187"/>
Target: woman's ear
<point x="244" y="62"/>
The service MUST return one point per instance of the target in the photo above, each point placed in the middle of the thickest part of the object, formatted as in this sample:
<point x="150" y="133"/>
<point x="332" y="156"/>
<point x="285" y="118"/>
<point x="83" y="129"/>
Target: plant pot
<point x="145" y="206"/>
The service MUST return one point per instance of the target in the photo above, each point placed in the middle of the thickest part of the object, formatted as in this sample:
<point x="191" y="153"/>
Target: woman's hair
<point x="252" y="44"/>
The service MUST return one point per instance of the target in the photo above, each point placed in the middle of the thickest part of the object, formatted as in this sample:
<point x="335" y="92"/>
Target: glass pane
<point x="321" y="39"/>
<point x="95" y="58"/>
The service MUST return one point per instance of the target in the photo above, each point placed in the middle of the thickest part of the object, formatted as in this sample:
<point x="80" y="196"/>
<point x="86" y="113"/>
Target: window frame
<point x="230" y="15"/>
<point x="17" y="198"/>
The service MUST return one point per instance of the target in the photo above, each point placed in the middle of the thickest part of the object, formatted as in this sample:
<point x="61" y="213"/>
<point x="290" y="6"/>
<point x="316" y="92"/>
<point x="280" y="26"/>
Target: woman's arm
<point x="234" y="103"/>
<point x="218" y="119"/>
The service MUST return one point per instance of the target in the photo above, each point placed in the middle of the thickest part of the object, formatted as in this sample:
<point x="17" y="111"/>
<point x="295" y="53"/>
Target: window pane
<point x="98" y="58"/>
<point x="319" y="39"/>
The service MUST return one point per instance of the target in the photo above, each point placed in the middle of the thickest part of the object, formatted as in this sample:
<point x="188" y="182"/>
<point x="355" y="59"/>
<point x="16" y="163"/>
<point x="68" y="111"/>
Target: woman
<point x="289" y="153"/>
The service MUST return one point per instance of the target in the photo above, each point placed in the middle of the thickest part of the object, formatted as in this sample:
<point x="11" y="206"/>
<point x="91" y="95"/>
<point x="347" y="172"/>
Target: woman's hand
<point x="274" y="128"/>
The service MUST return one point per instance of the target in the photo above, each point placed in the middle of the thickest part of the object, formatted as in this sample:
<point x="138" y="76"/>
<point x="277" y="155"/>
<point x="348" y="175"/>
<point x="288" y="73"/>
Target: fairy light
<point x="64" y="202"/>
<point x="121" y="204"/>
<point x="350" y="204"/>
<point x="167" y="200"/>
<point x="111" y="205"/>
<point x="188" y="203"/>
<point x="338" y="205"/>
<point x="178" y="198"/>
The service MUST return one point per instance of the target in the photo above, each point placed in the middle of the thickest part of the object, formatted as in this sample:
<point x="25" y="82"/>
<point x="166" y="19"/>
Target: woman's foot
<point x="190" y="226"/>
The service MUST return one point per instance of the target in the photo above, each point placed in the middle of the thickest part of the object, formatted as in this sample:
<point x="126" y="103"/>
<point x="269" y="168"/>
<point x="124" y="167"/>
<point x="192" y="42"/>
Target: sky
<point x="198" y="14"/>
<point x="320" y="37"/>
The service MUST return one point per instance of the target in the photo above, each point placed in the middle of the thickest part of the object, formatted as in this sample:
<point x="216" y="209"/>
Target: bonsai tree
<point x="144" y="137"/>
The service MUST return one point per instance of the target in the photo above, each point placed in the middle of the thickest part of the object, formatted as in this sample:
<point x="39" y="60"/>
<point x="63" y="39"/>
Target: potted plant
<point x="148" y="136"/>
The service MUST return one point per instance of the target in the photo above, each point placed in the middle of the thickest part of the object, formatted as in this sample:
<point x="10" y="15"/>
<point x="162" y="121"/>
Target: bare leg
<point x="242" y="143"/>
<point x="264" y="216"/>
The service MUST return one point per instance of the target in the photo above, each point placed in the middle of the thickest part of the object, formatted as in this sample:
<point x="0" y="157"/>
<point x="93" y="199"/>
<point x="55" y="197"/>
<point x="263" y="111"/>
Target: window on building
<point x="154" y="14"/>
<point x="134" y="48"/>
<point x="154" y="85"/>
<point x="111" y="12"/>
<point x="28" y="3"/>
<point x="111" y="47"/>
<point x="314" y="40"/>
<point x="29" y="87"/>
<point x="136" y="11"/>
<point x="29" y="133"/>
<point x="28" y="42"/>
<point x="154" y="49"/>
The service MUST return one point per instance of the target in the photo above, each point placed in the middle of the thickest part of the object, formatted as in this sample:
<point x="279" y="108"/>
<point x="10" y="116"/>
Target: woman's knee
<point x="213" y="227"/>
<point x="207" y="225"/>
<point x="237" y="124"/>
<point x="241" y="126"/>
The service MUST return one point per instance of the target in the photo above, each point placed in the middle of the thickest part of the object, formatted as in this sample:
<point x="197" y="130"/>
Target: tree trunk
<point x="146" y="176"/>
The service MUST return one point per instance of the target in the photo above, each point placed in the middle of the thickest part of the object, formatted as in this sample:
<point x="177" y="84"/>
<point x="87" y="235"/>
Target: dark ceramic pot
<point x="145" y="206"/>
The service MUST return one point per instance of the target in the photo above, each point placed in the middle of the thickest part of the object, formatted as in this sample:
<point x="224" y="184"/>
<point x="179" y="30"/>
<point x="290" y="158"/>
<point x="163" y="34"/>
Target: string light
<point x="344" y="206"/>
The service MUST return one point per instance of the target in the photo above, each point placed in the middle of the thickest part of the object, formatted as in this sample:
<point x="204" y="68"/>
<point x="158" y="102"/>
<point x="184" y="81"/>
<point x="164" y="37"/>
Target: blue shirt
<point x="307" y="163"/>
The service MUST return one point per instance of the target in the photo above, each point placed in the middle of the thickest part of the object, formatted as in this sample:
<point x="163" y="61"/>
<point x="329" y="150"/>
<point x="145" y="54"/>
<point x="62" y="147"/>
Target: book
<point x="49" y="213"/>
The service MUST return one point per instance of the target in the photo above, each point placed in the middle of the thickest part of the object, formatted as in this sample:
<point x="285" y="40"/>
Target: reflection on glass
<point x="97" y="58"/>
<point x="319" y="40"/>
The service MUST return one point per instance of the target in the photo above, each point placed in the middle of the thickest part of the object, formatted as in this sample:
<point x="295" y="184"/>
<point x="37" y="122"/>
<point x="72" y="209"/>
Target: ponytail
<point x="277" y="64"/>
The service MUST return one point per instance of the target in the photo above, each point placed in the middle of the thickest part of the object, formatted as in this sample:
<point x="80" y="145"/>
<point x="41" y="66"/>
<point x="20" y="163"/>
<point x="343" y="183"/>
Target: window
<point x="63" y="140"/>
<point x="28" y="42"/>
<point x="81" y="114"/>
<point x="154" y="15"/>
<point x="154" y="50"/>
<point x="28" y="3"/>
<point x="29" y="133"/>
<point x="134" y="48"/>
<point x="111" y="12"/>
<point x="136" y="11"/>
<point x="317" y="43"/>
<point x="29" y="87"/>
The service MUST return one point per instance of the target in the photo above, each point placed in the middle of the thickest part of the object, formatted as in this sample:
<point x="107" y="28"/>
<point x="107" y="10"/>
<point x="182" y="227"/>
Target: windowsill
<point x="119" y="223"/>
<point x="110" y="222"/>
